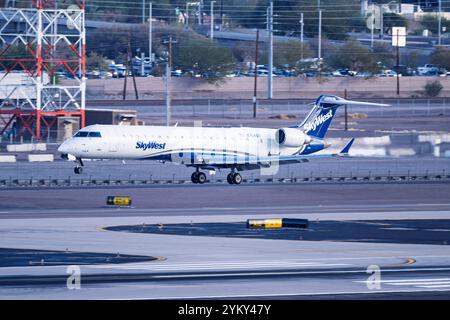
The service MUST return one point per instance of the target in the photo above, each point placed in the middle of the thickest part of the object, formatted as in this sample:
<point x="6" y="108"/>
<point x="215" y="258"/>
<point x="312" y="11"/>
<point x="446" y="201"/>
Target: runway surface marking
<point x="220" y="265"/>
<point x="417" y="282"/>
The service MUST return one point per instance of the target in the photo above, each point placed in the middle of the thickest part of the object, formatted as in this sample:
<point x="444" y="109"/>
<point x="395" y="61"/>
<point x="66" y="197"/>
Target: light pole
<point x="150" y="32"/>
<point x="319" y="50"/>
<point x="200" y="7"/>
<point x="302" y="24"/>
<point x="167" y="78"/>
<point x="440" y="23"/>
<point x="143" y="11"/>
<point x="211" y="32"/>
<point x="319" y="46"/>
<point x="270" y="76"/>
<point x="256" y="73"/>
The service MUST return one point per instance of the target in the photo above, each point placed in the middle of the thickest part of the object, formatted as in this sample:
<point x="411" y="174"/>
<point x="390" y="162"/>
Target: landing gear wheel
<point x="237" y="178"/>
<point x="194" y="177"/>
<point x="201" y="178"/>
<point x="78" y="170"/>
<point x="230" y="178"/>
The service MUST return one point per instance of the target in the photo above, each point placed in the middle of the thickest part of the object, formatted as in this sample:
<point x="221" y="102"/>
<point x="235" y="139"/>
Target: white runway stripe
<point x="435" y="286"/>
<point x="224" y="265"/>
<point x="436" y="283"/>
<point x="409" y="280"/>
<point x="420" y="283"/>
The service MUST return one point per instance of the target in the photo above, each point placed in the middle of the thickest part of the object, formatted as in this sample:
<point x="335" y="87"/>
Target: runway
<point x="215" y="267"/>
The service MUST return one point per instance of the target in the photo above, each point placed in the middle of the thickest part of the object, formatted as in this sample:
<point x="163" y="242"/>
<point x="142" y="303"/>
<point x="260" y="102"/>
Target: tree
<point x="431" y="23"/>
<point x="393" y="20"/>
<point x="441" y="57"/>
<point x="290" y="53"/>
<point x="95" y="61"/>
<point x="336" y="20"/>
<point x="383" y="53"/>
<point x="15" y="52"/>
<point x="287" y="53"/>
<point x="203" y="57"/>
<point x="354" y="56"/>
<point x="412" y="60"/>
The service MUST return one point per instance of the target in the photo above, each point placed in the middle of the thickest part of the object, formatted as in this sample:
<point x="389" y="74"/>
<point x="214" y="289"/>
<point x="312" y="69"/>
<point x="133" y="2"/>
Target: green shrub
<point x="433" y="88"/>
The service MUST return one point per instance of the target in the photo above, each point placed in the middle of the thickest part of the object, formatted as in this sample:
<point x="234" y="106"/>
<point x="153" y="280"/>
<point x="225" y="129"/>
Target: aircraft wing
<point x="254" y="162"/>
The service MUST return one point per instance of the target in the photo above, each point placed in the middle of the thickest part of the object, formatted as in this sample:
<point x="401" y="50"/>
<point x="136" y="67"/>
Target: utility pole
<point x="130" y="60"/>
<point x="398" y="63"/>
<point x="143" y="11"/>
<point x="168" y="102"/>
<point x="345" y="111"/>
<point x="270" y="76"/>
<point x="150" y="32"/>
<point x="256" y="73"/>
<point x="127" y="68"/>
<point x="440" y="23"/>
<point x="211" y="32"/>
<point x="170" y="41"/>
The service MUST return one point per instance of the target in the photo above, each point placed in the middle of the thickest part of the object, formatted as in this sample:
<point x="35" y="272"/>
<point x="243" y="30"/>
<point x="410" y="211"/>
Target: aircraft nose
<point x="64" y="147"/>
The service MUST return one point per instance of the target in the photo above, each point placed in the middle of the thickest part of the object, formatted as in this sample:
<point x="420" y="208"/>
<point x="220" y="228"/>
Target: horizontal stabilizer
<point x="335" y="100"/>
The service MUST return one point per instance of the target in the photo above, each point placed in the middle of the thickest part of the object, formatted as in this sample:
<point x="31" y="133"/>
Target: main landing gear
<point x="234" y="178"/>
<point x="198" y="177"/>
<point x="79" y="168"/>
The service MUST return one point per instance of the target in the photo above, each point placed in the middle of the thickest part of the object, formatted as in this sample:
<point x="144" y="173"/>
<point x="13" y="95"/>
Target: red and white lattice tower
<point x="36" y="45"/>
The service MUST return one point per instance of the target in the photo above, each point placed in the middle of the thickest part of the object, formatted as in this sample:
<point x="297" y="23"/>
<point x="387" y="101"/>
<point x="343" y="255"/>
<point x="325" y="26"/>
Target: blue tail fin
<point x="319" y="118"/>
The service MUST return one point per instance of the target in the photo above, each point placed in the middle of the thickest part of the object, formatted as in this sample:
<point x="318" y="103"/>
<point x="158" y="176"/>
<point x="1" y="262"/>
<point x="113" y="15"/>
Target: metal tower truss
<point x="38" y="47"/>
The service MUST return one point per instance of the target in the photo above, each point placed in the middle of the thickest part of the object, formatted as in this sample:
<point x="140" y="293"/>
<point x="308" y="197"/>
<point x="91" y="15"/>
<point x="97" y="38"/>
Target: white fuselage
<point x="157" y="142"/>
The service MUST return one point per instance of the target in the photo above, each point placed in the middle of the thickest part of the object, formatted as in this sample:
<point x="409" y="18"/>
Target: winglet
<point x="347" y="147"/>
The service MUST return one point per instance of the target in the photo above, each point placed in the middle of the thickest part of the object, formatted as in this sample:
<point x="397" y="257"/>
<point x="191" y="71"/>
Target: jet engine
<point x="290" y="137"/>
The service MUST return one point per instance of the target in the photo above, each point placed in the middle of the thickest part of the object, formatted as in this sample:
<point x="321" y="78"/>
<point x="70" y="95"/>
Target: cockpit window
<point x="81" y="134"/>
<point x="90" y="134"/>
<point x="95" y="135"/>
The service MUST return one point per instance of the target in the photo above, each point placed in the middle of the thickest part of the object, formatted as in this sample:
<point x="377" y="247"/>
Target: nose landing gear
<point x="79" y="168"/>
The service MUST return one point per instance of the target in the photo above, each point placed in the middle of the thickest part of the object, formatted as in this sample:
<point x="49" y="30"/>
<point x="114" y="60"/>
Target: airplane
<point x="236" y="148"/>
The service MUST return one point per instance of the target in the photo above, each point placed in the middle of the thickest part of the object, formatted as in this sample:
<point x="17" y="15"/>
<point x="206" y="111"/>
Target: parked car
<point x="343" y="73"/>
<point x="427" y="70"/>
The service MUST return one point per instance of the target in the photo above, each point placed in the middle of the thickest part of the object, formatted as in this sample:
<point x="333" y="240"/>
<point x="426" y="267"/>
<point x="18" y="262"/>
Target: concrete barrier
<point x="26" y="147"/>
<point x="7" y="158"/>
<point x="41" y="158"/>
<point x="283" y="87"/>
